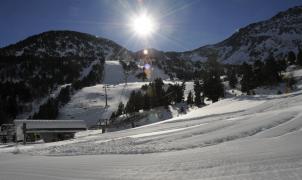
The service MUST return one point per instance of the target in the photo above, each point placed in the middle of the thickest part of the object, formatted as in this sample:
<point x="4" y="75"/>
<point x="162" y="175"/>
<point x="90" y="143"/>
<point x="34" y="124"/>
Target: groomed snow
<point x="245" y="137"/>
<point x="89" y="103"/>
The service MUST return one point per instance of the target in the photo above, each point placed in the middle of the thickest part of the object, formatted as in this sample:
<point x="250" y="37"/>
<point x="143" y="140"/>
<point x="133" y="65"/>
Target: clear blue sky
<point x="184" y="24"/>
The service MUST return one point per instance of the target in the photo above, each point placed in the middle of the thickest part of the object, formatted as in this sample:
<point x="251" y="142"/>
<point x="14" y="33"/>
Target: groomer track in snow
<point x="246" y="137"/>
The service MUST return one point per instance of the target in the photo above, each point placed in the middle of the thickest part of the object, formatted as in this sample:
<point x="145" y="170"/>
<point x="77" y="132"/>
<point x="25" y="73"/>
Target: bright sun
<point x="143" y="25"/>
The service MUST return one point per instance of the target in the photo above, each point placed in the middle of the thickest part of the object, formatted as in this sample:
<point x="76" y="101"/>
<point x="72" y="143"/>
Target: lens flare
<point x="147" y="66"/>
<point x="145" y="52"/>
<point x="143" y="25"/>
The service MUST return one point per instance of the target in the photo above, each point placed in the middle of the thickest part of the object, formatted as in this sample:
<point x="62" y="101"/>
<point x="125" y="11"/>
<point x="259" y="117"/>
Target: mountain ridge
<point x="277" y="35"/>
<point x="64" y="43"/>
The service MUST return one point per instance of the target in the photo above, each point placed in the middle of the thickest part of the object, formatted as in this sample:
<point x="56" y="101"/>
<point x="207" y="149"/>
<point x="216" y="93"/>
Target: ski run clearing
<point x="243" y="137"/>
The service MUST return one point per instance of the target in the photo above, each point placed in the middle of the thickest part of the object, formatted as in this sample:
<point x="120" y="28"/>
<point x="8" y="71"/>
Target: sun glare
<point x="143" y="25"/>
<point x="145" y="51"/>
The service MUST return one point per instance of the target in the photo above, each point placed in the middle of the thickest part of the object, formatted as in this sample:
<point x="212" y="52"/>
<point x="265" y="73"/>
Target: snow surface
<point x="89" y="103"/>
<point x="245" y="137"/>
<point x="114" y="74"/>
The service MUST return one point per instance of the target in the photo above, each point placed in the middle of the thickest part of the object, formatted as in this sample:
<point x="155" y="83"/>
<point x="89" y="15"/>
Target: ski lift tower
<point x="106" y="96"/>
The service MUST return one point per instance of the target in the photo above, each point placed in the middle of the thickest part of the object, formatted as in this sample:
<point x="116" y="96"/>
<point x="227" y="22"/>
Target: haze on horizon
<point x="182" y="25"/>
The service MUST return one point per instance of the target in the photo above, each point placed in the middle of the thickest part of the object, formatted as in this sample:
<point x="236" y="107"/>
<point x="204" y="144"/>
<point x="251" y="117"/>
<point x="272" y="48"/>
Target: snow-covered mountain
<point x="244" y="137"/>
<point x="278" y="35"/>
<point x="79" y="59"/>
<point x="67" y="44"/>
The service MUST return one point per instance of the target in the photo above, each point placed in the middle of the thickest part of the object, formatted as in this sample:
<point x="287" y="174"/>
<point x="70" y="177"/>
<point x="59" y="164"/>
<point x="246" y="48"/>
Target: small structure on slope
<point x="48" y="130"/>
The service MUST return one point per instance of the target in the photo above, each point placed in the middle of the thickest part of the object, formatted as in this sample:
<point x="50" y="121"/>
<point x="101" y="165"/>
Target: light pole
<point x="106" y="98"/>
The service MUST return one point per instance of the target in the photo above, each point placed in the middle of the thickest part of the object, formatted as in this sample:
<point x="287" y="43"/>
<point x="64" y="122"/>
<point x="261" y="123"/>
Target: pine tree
<point x="170" y="94"/>
<point x="258" y="73"/>
<point x="139" y="101"/>
<point x="179" y="92"/>
<point x="120" y="109"/>
<point x="135" y="102"/>
<point x="113" y="116"/>
<point x="197" y="91"/>
<point x="213" y="87"/>
<point x="232" y="78"/>
<point x="49" y="110"/>
<point x="282" y="65"/>
<point x="130" y="107"/>
<point x="146" y="104"/>
<point x="190" y="99"/>
<point x="3" y="115"/>
<point x="159" y="92"/>
<point x="12" y="107"/>
<point x="247" y="81"/>
<point x="299" y="57"/>
<point x="271" y="71"/>
<point x="291" y="58"/>
<point x="64" y="96"/>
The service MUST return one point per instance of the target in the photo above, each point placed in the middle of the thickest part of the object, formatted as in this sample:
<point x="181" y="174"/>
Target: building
<point x="48" y="130"/>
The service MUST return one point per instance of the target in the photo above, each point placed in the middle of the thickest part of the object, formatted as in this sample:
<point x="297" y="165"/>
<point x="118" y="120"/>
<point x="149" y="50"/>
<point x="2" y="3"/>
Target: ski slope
<point x="245" y="137"/>
<point x="114" y="74"/>
<point x="89" y="103"/>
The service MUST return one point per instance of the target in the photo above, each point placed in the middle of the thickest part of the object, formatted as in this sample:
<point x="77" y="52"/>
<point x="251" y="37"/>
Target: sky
<point x="181" y="24"/>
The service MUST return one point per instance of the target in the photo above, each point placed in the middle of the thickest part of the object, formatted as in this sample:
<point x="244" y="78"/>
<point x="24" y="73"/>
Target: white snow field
<point x="245" y="137"/>
<point x="88" y="103"/>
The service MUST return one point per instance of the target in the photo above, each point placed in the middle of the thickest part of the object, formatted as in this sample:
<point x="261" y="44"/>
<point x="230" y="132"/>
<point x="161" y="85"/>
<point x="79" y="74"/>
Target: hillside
<point x="89" y="103"/>
<point x="246" y="137"/>
<point x="33" y="70"/>
<point x="277" y="36"/>
<point x="66" y="44"/>
<point x="79" y="59"/>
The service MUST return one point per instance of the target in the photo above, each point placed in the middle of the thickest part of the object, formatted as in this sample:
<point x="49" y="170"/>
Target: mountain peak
<point x="62" y="43"/>
<point x="294" y="11"/>
<point x="278" y="35"/>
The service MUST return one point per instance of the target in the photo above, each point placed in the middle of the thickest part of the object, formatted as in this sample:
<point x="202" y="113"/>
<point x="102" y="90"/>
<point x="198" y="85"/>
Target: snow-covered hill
<point x="245" y="137"/>
<point x="88" y="103"/>
<point x="278" y="35"/>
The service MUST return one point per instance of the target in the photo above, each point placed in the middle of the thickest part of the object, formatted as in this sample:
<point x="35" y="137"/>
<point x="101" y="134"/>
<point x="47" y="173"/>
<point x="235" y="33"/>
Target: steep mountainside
<point x="66" y="44"/>
<point x="278" y="35"/>
<point x="32" y="70"/>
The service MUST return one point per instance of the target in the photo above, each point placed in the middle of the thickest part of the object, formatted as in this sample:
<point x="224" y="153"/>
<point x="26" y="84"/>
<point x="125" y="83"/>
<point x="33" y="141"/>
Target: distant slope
<point x="114" y="73"/>
<point x="88" y="104"/>
<point x="278" y="35"/>
<point x="67" y="44"/>
<point x="32" y="69"/>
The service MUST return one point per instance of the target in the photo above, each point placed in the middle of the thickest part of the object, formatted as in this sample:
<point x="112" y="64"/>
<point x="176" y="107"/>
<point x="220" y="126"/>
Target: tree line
<point x="209" y="84"/>
<point x="24" y="79"/>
